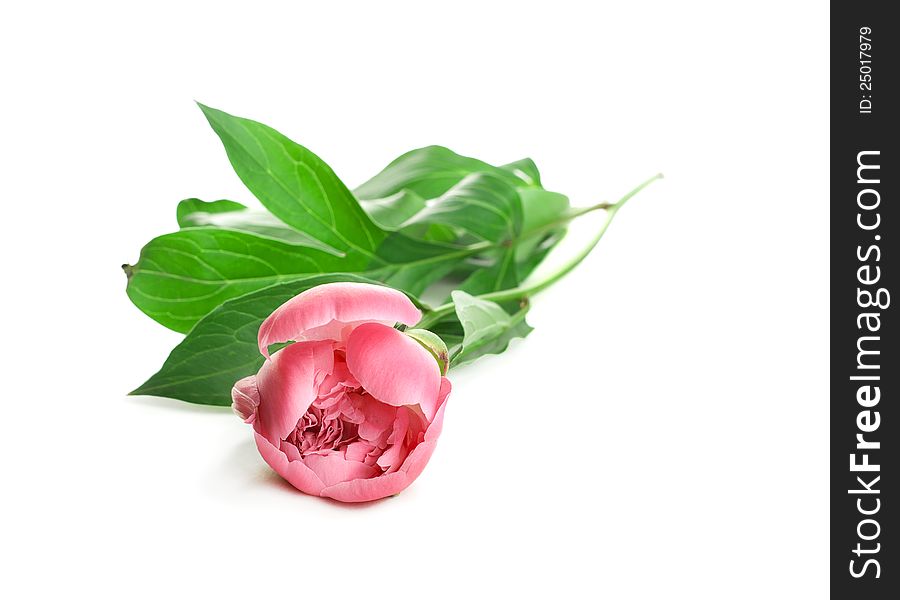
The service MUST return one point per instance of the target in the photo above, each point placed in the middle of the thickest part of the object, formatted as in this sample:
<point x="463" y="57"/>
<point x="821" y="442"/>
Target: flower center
<point x="331" y="423"/>
<point x="345" y="419"/>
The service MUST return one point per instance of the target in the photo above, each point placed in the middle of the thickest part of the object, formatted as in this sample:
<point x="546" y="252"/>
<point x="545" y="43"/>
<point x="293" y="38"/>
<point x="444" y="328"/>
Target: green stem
<point x="480" y="247"/>
<point x="523" y="292"/>
<point x="569" y="217"/>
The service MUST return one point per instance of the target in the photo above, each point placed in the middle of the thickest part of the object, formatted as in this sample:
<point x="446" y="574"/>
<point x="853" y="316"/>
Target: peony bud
<point x="434" y="344"/>
<point x="353" y="408"/>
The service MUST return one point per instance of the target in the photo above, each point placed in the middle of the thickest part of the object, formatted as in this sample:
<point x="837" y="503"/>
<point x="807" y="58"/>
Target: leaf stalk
<point x="522" y="293"/>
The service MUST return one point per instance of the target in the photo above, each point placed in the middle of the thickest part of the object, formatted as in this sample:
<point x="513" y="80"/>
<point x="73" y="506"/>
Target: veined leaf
<point x="481" y="204"/>
<point x="487" y="328"/>
<point x="222" y="347"/>
<point x="317" y="226"/>
<point x="412" y="265"/>
<point x="431" y="171"/>
<point x="182" y="276"/>
<point x="503" y="274"/>
<point x="434" y="170"/>
<point x="228" y="214"/>
<point x="295" y="185"/>
<point x="390" y="213"/>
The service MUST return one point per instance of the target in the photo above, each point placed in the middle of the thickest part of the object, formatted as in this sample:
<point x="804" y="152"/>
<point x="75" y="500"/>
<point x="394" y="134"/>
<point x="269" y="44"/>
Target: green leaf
<point x="227" y="214"/>
<point x="434" y="170"/>
<point x="526" y="170"/>
<point x="390" y="213"/>
<point x="222" y="347"/>
<point x="182" y="276"/>
<point x="295" y="185"/>
<point x="412" y="265"/>
<point x="226" y="250"/>
<point x="482" y="204"/>
<point x="488" y="208"/>
<point x="527" y="263"/>
<point x="540" y="211"/>
<point x="451" y="331"/>
<point x="541" y="207"/>
<point x="192" y="210"/>
<point x="431" y="171"/>
<point x="502" y="275"/>
<point x="487" y="328"/>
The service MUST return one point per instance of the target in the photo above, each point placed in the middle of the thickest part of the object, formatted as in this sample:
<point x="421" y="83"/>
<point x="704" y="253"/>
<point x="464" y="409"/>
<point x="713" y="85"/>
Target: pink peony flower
<point x="353" y="408"/>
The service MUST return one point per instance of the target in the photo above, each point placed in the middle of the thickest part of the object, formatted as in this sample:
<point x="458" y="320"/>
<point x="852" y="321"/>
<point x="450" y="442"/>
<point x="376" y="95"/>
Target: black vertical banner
<point x="865" y="367"/>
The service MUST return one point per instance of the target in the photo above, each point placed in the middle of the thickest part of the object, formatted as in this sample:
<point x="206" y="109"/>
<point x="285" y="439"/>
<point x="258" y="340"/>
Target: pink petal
<point x="365" y="490"/>
<point x="377" y="419"/>
<point x="393" y="367"/>
<point x="418" y="458"/>
<point x="290" y="450"/>
<point x="333" y="468"/>
<point x="330" y="307"/>
<point x="288" y="385"/>
<point x="358" y="451"/>
<point x="339" y="378"/>
<point x="245" y="398"/>
<point x="396" y="452"/>
<point x="295" y="472"/>
<point x="434" y="430"/>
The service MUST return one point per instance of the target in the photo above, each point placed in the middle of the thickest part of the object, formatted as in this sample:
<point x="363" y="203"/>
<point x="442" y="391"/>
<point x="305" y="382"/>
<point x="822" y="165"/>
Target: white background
<point x="661" y="434"/>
